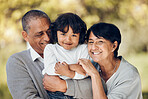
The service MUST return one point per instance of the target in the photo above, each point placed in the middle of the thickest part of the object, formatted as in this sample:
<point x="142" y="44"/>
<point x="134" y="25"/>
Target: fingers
<point x="64" y="63"/>
<point x="83" y="73"/>
<point x="56" y="66"/>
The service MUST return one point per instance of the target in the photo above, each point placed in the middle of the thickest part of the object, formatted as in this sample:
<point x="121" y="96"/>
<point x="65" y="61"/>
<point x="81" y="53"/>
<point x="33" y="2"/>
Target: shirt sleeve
<point x="80" y="89"/>
<point x="79" y="76"/>
<point x="49" y="60"/>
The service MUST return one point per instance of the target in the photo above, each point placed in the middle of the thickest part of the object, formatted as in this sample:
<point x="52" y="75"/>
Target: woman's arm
<point x="97" y="87"/>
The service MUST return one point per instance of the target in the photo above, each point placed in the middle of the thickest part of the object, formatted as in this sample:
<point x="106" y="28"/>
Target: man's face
<point x="37" y="36"/>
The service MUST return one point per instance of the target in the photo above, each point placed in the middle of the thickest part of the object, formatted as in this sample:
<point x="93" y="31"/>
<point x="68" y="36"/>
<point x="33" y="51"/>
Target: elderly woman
<point x="122" y="78"/>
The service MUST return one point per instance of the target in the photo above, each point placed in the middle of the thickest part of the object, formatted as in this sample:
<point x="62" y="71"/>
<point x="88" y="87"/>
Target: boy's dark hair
<point x="32" y="14"/>
<point x="107" y="31"/>
<point x="69" y="19"/>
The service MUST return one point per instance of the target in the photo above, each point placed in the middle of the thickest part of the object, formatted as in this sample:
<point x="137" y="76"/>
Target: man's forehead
<point x="39" y="25"/>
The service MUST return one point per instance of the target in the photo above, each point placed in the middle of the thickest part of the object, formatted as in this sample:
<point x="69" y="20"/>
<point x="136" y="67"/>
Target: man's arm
<point x="77" y="88"/>
<point x="19" y="81"/>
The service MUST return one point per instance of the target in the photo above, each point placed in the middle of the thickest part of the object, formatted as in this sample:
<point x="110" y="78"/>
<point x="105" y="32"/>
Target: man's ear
<point x="115" y="44"/>
<point x="25" y="35"/>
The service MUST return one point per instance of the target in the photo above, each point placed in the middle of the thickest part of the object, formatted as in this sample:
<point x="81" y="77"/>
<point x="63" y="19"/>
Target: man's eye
<point x="39" y="34"/>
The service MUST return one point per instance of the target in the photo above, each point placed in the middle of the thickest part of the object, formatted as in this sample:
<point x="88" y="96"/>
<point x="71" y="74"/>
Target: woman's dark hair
<point x="107" y="31"/>
<point x="65" y="20"/>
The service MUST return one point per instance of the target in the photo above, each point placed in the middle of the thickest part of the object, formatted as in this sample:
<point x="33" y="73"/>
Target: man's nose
<point x="46" y="37"/>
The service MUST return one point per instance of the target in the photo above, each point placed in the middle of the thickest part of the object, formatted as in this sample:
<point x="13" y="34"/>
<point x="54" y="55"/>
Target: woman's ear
<point x="25" y="35"/>
<point x="115" y="44"/>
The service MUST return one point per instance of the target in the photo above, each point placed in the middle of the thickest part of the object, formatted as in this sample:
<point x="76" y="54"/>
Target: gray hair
<point x="32" y="14"/>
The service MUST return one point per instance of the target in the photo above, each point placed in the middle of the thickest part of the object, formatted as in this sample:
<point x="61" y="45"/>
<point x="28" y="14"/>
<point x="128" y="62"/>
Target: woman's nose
<point x="94" y="46"/>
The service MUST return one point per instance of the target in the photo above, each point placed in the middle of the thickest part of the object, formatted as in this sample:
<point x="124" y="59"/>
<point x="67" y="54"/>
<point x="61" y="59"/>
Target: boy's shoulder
<point x="82" y="45"/>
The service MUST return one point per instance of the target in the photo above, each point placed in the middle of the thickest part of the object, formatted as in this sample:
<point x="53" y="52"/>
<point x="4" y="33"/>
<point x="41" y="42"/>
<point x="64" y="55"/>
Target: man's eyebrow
<point x="43" y="31"/>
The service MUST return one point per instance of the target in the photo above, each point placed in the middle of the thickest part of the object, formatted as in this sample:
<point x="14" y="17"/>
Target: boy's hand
<point x="77" y="68"/>
<point x="63" y="69"/>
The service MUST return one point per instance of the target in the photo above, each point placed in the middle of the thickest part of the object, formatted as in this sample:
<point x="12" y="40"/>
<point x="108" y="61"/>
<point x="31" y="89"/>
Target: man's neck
<point x="41" y="55"/>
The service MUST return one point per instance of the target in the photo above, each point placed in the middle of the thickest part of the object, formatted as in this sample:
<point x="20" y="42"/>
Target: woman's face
<point x="99" y="48"/>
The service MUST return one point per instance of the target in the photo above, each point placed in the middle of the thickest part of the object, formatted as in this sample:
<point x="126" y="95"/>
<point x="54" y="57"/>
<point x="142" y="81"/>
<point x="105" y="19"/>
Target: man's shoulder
<point x="20" y="55"/>
<point x="17" y="59"/>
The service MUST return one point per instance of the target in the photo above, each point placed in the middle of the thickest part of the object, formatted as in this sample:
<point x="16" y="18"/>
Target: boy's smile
<point x="68" y="40"/>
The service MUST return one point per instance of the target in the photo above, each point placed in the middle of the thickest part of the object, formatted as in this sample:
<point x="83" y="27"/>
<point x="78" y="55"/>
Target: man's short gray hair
<point x="32" y="14"/>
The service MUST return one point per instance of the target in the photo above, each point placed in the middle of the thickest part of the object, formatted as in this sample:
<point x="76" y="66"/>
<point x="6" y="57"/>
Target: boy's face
<point x="68" y="40"/>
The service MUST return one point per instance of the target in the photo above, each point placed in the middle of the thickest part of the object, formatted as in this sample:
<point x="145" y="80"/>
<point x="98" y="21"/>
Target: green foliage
<point x="134" y="17"/>
<point x="129" y="15"/>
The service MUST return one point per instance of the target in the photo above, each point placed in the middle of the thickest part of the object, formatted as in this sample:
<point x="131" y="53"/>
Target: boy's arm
<point x="77" y="68"/>
<point x="64" y="70"/>
<point x="74" y="71"/>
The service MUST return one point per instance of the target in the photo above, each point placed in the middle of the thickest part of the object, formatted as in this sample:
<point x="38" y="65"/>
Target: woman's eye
<point x="90" y="42"/>
<point x="100" y="42"/>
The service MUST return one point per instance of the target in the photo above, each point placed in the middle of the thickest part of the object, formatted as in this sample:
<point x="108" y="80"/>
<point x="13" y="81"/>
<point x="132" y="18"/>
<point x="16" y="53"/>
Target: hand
<point x="54" y="83"/>
<point x="87" y="66"/>
<point x="77" y="68"/>
<point x="63" y="69"/>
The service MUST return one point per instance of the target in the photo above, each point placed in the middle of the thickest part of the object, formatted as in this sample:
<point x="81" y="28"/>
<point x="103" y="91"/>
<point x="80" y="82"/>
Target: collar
<point x="35" y="55"/>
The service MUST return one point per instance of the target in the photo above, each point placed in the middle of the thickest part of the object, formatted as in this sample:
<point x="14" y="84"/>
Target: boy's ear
<point x="25" y="35"/>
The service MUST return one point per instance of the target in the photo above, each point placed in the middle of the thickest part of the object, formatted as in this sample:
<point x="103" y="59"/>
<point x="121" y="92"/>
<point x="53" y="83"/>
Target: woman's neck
<point x="108" y="68"/>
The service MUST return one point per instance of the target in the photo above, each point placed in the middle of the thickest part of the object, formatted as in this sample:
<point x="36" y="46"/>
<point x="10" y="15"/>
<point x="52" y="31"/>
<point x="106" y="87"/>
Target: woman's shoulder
<point x="127" y="68"/>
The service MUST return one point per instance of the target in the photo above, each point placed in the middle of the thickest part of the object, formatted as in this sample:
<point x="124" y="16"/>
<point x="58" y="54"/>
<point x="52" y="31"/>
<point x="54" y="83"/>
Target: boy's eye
<point x="74" y="35"/>
<point x="62" y="33"/>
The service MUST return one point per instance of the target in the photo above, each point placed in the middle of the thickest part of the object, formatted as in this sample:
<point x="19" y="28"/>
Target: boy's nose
<point x="68" y="38"/>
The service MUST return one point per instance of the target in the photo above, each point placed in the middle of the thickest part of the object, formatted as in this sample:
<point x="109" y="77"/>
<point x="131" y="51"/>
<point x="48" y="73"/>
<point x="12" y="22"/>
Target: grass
<point x="139" y="60"/>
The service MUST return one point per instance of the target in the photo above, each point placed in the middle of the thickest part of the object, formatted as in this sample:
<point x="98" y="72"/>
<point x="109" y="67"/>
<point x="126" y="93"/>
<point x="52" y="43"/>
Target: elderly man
<point x="24" y="77"/>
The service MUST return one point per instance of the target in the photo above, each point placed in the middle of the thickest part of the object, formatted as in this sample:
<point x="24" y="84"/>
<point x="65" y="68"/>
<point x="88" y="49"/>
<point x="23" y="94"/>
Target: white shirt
<point x="35" y="55"/>
<point x="54" y="53"/>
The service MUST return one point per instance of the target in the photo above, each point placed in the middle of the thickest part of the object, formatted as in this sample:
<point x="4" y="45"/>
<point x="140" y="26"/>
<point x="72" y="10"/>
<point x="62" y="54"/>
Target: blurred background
<point x="130" y="16"/>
